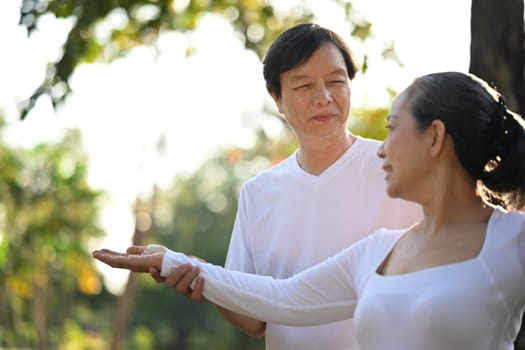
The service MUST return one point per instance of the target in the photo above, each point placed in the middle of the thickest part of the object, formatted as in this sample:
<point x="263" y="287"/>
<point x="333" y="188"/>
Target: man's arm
<point x="252" y="327"/>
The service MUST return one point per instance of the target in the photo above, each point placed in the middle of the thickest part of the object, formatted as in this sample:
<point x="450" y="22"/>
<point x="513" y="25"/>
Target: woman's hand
<point x="136" y="258"/>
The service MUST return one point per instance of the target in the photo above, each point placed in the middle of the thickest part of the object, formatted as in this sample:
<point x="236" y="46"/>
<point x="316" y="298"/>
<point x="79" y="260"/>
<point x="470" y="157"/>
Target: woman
<point x="456" y="280"/>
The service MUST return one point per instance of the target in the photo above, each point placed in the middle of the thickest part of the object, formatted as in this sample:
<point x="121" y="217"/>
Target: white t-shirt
<point x="288" y="220"/>
<point x="475" y="304"/>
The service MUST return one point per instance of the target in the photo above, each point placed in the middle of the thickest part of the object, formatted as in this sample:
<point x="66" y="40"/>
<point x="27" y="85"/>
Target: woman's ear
<point x="438" y="133"/>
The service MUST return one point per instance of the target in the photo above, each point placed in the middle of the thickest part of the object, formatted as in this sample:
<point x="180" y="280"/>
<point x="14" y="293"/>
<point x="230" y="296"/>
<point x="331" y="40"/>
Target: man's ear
<point x="438" y="133"/>
<point x="277" y="101"/>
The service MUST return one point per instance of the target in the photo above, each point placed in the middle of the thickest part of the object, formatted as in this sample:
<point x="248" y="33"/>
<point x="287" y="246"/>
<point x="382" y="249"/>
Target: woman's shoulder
<point x="501" y="216"/>
<point x="382" y="239"/>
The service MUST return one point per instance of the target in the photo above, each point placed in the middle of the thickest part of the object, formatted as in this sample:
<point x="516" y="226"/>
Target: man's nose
<point x="323" y="95"/>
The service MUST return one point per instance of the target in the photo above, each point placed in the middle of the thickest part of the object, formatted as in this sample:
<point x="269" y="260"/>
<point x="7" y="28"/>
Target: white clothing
<point x="475" y="304"/>
<point x="288" y="220"/>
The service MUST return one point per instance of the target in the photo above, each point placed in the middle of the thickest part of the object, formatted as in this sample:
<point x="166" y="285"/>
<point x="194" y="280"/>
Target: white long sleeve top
<point x="289" y="220"/>
<point x="475" y="304"/>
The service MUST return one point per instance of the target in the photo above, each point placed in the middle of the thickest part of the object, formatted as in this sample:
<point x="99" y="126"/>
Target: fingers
<point x="107" y="252"/>
<point x="176" y="278"/>
<point x="154" y="248"/>
<point x="112" y="258"/>
<point x="181" y="279"/>
<point x="196" y="292"/>
<point x="132" y="262"/>
<point x="104" y="255"/>
<point x="136" y="249"/>
<point x="155" y="274"/>
<point x="146" y="249"/>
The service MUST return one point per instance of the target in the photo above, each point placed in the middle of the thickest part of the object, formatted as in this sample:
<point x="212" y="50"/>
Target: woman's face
<point x="406" y="160"/>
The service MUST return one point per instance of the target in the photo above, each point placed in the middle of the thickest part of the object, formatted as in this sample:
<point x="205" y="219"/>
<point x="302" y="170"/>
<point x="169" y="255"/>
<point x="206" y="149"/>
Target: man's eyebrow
<point x="298" y="77"/>
<point x="338" y="71"/>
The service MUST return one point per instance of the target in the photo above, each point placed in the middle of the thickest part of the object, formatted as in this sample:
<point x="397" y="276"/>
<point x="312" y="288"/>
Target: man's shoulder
<point x="364" y="149"/>
<point x="362" y="156"/>
<point x="367" y="145"/>
<point x="271" y="173"/>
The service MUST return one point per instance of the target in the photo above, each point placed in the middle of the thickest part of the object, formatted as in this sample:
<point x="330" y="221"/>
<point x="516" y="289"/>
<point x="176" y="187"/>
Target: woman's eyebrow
<point x="390" y="117"/>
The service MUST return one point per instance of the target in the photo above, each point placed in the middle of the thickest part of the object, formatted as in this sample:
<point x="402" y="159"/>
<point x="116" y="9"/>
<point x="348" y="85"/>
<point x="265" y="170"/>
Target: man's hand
<point x="181" y="279"/>
<point x="149" y="249"/>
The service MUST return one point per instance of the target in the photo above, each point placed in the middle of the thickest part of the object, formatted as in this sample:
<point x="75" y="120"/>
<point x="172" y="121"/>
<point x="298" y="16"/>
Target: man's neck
<point x="316" y="159"/>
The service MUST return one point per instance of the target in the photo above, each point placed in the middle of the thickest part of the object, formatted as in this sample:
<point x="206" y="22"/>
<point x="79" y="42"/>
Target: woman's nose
<point x="381" y="151"/>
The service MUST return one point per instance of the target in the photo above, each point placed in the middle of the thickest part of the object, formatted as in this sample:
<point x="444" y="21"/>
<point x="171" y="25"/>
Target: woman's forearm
<point x="314" y="297"/>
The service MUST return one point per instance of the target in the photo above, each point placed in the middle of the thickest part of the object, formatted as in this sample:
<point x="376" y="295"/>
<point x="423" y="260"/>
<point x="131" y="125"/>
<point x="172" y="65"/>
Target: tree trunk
<point x="122" y="314"/>
<point x="141" y="236"/>
<point x="497" y="54"/>
<point x="497" y="51"/>
<point x="40" y="315"/>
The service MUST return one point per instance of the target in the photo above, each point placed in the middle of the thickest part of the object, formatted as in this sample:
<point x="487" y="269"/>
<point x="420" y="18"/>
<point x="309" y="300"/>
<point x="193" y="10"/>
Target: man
<point x="328" y="194"/>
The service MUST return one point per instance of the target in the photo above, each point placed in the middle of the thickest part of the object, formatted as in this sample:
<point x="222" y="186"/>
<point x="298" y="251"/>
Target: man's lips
<point x="324" y="117"/>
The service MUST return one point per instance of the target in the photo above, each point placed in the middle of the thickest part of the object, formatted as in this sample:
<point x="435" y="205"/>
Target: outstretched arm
<point x="149" y="259"/>
<point x="318" y="295"/>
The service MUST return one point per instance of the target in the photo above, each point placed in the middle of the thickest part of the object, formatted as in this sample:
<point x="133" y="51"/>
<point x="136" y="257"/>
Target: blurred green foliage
<point x="51" y="296"/>
<point x="47" y="215"/>
<point x="197" y="216"/>
<point x="140" y="22"/>
<point x="50" y="293"/>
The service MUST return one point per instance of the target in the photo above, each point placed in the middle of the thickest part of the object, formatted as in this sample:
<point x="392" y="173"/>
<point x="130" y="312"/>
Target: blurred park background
<point x="136" y="121"/>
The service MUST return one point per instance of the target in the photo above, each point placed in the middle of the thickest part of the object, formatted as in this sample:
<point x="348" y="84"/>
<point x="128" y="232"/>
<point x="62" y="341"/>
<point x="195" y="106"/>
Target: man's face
<point x="315" y="96"/>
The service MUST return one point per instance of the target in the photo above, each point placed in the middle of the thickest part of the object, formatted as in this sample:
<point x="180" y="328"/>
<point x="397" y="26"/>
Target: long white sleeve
<point x="319" y="295"/>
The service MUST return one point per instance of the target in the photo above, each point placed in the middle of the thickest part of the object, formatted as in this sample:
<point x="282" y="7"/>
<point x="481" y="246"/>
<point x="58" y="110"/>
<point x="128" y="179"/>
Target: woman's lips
<point x="388" y="171"/>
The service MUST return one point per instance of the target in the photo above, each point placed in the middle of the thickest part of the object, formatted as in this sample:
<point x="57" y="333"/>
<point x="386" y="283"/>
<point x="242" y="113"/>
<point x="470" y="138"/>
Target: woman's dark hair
<point x="489" y="139"/>
<point x="295" y="46"/>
